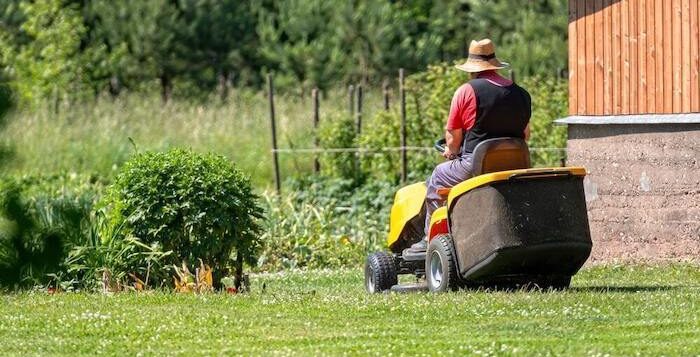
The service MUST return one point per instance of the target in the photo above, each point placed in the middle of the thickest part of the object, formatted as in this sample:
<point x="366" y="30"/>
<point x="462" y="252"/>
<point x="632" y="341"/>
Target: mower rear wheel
<point x="380" y="272"/>
<point x="441" y="266"/>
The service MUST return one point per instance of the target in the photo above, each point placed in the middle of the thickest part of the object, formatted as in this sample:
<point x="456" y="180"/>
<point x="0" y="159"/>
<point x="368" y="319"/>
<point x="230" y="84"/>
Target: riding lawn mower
<point x="508" y="226"/>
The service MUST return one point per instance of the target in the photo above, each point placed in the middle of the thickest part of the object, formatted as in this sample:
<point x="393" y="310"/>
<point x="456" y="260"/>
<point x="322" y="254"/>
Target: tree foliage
<point x="189" y="47"/>
<point x="49" y="62"/>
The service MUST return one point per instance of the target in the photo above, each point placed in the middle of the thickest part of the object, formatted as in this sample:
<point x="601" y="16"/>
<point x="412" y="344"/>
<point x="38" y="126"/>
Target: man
<point x="488" y="106"/>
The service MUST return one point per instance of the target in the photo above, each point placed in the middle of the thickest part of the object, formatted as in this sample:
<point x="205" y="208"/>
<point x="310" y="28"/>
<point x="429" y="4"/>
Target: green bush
<point x="338" y="131"/>
<point x="41" y="219"/>
<point x="199" y="206"/>
<point x="51" y="235"/>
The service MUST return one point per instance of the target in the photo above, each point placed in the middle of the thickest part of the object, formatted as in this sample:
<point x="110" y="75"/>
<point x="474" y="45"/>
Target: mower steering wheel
<point x="440" y="145"/>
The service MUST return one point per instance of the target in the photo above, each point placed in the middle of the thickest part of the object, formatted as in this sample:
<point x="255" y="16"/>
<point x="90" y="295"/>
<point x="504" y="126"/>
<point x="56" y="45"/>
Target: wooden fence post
<point x="314" y="95"/>
<point x="275" y="163"/>
<point x="385" y="93"/>
<point x="351" y="100"/>
<point x="404" y="164"/>
<point x="358" y="111"/>
<point x="358" y="126"/>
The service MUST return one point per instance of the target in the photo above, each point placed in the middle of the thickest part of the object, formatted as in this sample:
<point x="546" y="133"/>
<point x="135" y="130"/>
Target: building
<point x="634" y="123"/>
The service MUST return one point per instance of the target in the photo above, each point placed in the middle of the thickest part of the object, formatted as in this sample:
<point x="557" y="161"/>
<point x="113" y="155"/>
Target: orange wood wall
<point x="634" y="56"/>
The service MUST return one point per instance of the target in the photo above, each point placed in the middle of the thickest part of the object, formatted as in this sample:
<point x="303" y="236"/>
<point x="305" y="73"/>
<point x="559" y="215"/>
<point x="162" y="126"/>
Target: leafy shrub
<point x="41" y="219"/>
<point x="195" y="205"/>
<point x="51" y="235"/>
<point x="338" y="132"/>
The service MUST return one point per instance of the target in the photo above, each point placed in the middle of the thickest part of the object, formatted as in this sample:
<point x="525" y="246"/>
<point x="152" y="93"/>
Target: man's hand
<point x="453" y="139"/>
<point x="447" y="154"/>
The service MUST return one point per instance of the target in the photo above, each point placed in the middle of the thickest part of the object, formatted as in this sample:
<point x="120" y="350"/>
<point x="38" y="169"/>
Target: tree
<point x="44" y="56"/>
<point x="296" y="39"/>
<point x="10" y="20"/>
<point x="534" y="37"/>
<point x="220" y="42"/>
<point x="78" y="47"/>
<point x="381" y="37"/>
<point x="145" y="39"/>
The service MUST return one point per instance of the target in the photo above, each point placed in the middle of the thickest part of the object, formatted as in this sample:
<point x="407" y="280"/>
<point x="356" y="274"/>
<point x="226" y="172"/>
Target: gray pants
<point x="446" y="174"/>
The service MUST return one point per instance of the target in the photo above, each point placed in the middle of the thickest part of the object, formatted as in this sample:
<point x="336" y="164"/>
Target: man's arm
<point x="453" y="143"/>
<point x="462" y="117"/>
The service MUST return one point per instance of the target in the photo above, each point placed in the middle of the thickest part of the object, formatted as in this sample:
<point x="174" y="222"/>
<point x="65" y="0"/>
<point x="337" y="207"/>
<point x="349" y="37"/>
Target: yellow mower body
<point x="408" y="204"/>
<point x="509" y="225"/>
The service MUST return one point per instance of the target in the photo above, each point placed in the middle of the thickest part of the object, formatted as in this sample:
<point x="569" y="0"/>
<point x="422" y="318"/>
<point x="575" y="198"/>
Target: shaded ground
<point x="609" y="310"/>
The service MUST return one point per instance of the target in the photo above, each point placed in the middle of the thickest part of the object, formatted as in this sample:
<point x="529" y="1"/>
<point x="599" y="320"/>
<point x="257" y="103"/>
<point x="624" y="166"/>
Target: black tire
<point x="441" y="265"/>
<point x="380" y="272"/>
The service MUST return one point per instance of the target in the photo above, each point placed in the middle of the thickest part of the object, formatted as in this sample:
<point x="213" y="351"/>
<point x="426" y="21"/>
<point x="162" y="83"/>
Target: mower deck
<point x="410" y="288"/>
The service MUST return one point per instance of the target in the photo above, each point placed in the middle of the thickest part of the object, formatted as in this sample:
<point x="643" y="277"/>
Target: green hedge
<point x="199" y="206"/>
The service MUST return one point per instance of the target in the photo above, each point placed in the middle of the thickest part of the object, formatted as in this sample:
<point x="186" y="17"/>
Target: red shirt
<point x="463" y="108"/>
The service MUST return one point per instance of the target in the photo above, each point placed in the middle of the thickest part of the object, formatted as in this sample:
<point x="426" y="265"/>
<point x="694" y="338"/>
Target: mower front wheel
<point x="380" y="272"/>
<point x="441" y="265"/>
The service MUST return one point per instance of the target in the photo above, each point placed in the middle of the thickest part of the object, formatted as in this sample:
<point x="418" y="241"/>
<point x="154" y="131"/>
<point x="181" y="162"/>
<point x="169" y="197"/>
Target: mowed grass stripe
<point x="650" y="310"/>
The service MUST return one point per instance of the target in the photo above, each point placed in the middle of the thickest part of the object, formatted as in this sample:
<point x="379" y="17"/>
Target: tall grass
<point x="97" y="138"/>
<point x="330" y="224"/>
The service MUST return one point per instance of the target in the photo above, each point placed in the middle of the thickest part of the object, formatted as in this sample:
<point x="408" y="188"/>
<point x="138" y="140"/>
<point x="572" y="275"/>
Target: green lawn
<point x="613" y="310"/>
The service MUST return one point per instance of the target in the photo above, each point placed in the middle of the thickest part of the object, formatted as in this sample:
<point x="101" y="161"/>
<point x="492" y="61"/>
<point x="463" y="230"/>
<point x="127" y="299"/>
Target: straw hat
<point x="482" y="57"/>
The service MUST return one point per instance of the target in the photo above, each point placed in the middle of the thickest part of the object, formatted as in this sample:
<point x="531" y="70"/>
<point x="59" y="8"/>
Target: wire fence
<point x="355" y="107"/>
<point x="381" y="150"/>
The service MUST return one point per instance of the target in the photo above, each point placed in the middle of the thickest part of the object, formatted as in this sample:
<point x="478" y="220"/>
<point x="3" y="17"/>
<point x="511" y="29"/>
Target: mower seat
<point x="500" y="154"/>
<point x="497" y="154"/>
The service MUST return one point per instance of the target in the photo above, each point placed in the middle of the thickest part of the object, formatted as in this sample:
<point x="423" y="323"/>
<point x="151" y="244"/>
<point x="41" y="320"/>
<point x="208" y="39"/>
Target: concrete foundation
<point x="643" y="189"/>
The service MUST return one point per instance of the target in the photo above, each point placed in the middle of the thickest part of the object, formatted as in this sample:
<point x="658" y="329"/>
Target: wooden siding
<point x="634" y="56"/>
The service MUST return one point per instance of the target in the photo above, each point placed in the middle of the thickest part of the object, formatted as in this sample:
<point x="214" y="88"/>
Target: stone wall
<point x="642" y="190"/>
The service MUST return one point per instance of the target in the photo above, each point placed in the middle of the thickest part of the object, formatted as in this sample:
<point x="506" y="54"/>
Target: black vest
<point x="501" y="112"/>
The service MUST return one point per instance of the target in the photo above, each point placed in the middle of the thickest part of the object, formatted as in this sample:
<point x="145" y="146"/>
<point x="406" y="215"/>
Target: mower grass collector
<point x="506" y="227"/>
